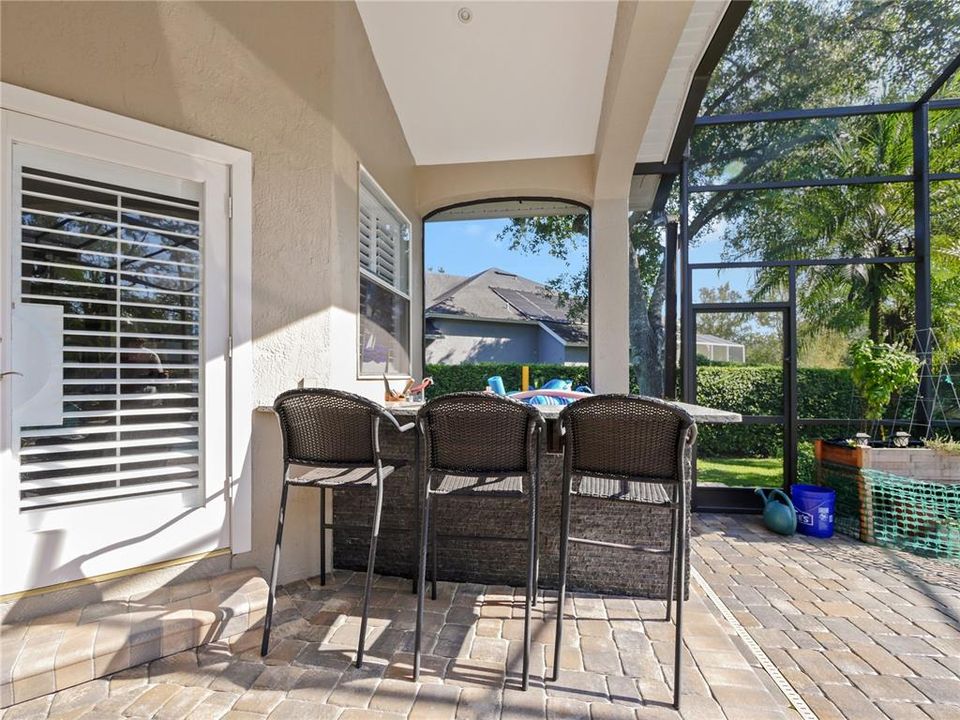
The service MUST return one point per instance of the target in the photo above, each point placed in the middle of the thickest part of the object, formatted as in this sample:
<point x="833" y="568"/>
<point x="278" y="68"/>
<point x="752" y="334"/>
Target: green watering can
<point x="779" y="514"/>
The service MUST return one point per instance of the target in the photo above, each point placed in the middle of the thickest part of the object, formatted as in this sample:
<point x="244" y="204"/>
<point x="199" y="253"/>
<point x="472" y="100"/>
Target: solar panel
<point x="532" y="305"/>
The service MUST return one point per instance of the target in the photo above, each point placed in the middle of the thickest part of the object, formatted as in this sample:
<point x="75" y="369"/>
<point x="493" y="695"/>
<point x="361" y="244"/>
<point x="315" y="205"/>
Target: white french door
<point x="115" y="324"/>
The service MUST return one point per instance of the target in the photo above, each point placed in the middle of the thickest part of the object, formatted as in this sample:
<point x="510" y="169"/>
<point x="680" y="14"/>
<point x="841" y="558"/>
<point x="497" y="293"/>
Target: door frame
<point x="26" y="104"/>
<point x="724" y="499"/>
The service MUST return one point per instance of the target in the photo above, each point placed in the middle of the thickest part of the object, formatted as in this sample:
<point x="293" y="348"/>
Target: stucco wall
<point x="294" y="83"/>
<point x="568" y="178"/>
<point x="466" y="341"/>
<point x="580" y="355"/>
<point x="551" y="349"/>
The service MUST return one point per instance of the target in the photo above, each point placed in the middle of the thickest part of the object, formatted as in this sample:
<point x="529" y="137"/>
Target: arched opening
<point x="506" y="285"/>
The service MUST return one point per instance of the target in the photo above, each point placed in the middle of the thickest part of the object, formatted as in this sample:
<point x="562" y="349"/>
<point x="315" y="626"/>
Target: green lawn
<point x="740" y="472"/>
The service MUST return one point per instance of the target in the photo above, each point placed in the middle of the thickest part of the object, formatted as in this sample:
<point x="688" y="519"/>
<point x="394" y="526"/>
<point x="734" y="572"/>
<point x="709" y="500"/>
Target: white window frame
<point x="364" y="178"/>
<point x="239" y="164"/>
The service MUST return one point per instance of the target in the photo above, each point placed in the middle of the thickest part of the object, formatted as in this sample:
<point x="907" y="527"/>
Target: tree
<point x="760" y="333"/>
<point x="807" y="54"/>
<point x="558" y="235"/>
<point x="647" y="282"/>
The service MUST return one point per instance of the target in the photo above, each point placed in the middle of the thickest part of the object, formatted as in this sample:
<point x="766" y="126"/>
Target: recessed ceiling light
<point x="464" y="15"/>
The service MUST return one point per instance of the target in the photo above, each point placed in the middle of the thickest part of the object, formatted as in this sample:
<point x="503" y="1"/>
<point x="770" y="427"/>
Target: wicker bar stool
<point x="478" y="445"/>
<point x="336" y="435"/>
<point x="624" y="448"/>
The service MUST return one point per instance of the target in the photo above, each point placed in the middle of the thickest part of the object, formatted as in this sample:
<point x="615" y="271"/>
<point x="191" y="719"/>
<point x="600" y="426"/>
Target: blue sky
<point x="708" y="250"/>
<point x="465" y="247"/>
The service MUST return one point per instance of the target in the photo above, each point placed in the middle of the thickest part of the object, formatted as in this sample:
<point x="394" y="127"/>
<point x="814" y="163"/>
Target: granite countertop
<point x="699" y="413"/>
<point x="552" y="412"/>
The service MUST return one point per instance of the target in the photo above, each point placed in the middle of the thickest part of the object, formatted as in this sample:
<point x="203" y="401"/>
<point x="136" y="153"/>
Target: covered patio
<point x="849" y="632"/>
<point x="696" y="264"/>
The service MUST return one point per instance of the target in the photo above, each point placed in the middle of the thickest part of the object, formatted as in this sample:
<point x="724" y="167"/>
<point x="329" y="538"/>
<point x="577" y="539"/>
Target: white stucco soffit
<point x="701" y="25"/>
<point x="475" y="81"/>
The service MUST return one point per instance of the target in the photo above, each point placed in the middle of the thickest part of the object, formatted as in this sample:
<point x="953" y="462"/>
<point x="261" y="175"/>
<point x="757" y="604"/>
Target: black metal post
<point x="670" y="337"/>
<point x="791" y="362"/>
<point x="922" y="279"/>
<point x="688" y="344"/>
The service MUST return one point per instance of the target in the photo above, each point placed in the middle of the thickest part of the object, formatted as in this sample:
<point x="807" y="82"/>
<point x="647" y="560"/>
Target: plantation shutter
<point x="384" y="241"/>
<point x="124" y="264"/>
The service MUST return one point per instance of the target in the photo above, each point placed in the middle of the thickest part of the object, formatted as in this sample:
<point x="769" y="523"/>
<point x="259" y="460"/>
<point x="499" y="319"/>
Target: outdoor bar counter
<point x="503" y="562"/>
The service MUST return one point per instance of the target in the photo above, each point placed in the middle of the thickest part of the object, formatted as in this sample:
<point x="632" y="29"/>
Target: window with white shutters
<point x="384" y="246"/>
<point x="125" y="266"/>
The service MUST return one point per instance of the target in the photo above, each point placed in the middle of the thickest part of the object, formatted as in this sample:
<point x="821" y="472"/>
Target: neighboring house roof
<point x="568" y="333"/>
<point x="706" y="339"/>
<point x="498" y="295"/>
<point x="438" y="283"/>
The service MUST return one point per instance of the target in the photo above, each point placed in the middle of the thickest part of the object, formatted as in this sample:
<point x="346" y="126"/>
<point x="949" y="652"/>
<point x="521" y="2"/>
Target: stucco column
<point x="609" y="296"/>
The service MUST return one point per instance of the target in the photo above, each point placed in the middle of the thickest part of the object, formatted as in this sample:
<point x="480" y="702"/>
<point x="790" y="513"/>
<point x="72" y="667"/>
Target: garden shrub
<point x="458" y="378"/>
<point x="750" y="390"/>
<point x="758" y="390"/>
<point x="806" y="463"/>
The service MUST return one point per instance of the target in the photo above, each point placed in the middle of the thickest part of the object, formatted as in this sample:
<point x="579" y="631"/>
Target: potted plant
<point x="878" y="371"/>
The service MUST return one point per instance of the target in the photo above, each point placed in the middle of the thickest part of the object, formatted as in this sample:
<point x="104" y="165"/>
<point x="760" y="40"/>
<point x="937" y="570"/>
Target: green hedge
<point x="758" y="390"/>
<point x="750" y="390"/>
<point x="457" y="378"/>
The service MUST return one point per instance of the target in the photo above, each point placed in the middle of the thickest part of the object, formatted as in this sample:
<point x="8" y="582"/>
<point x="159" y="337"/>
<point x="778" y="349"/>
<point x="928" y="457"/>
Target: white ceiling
<point x="520" y="80"/>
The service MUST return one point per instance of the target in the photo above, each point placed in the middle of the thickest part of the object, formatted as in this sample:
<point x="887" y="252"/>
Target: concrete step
<point x="53" y="652"/>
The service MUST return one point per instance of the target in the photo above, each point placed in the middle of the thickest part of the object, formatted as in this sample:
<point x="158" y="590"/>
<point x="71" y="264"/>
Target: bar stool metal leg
<point x="371" y="563"/>
<point x="271" y="598"/>
<point x="433" y="553"/>
<point x="536" y="541"/>
<point x="562" y="592"/>
<point x="672" y="576"/>
<point x="681" y="579"/>
<point x="531" y="580"/>
<point x="419" y="496"/>
<point x="421" y="577"/>
<point x="323" y="536"/>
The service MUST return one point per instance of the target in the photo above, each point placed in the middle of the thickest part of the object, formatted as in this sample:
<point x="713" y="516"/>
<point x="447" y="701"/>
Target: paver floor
<point x="861" y="632"/>
<point x="616" y="664"/>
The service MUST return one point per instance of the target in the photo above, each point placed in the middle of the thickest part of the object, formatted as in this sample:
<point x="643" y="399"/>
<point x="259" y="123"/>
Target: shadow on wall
<point x="483" y="350"/>
<point x="327" y="87"/>
<point x="297" y="85"/>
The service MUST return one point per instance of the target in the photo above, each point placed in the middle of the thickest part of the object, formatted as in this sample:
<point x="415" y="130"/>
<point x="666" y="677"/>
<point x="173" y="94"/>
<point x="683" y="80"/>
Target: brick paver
<point x="610" y="664"/>
<point x="859" y="631"/>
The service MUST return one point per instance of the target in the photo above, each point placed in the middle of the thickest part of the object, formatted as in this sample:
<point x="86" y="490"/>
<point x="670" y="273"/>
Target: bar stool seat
<point x="626" y="448"/>
<point x="477" y="445"/>
<point x="342" y="476"/>
<point x="335" y="436"/>
<point x="642" y="493"/>
<point x="485" y="485"/>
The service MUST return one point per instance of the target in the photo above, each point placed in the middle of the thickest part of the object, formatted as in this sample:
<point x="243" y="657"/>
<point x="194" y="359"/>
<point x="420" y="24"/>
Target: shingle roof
<point x="568" y="332"/>
<point x="474" y="296"/>
<point x="436" y="284"/>
<point x="496" y="294"/>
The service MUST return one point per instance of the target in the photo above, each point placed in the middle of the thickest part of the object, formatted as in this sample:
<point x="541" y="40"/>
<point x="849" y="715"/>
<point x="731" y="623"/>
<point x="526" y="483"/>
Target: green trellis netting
<point x="886" y="509"/>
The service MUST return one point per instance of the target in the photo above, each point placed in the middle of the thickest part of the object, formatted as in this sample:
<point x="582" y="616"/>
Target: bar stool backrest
<point x="322" y="426"/>
<point x="627" y="436"/>
<point x="476" y="432"/>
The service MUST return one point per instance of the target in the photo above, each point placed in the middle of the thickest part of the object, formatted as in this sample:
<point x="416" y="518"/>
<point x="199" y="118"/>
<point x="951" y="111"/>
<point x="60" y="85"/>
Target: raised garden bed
<point x="902" y="497"/>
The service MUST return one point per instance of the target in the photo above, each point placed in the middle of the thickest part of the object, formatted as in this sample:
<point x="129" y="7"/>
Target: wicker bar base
<point x="591" y="569"/>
